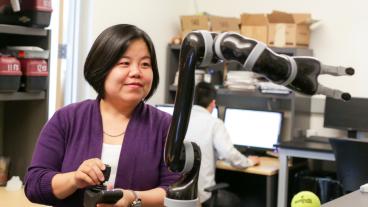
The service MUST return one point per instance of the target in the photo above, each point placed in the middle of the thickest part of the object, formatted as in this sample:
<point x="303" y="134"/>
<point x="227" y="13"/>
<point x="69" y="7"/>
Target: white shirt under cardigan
<point x="212" y="137"/>
<point x="110" y="155"/>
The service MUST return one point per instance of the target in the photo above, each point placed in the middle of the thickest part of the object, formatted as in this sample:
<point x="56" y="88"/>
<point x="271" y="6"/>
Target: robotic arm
<point x="202" y="48"/>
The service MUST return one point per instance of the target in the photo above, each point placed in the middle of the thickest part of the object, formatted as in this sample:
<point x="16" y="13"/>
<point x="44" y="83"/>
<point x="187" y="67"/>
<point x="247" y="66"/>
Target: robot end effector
<point x="299" y="73"/>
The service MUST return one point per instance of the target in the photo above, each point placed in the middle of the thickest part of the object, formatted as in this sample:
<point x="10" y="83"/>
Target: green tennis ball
<point x="305" y="199"/>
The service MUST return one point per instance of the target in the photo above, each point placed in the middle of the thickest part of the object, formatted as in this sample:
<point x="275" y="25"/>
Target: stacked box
<point x="254" y="26"/>
<point x="288" y="30"/>
<point x="33" y="65"/>
<point x="35" y="73"/>
<point x="212" y="23"/>
<point x="224" y="24"/>
<point x="190" y="23"/>
<point x="10" y="74"/>
<point x="35" y="13"/>
<point x="277" y="29"/>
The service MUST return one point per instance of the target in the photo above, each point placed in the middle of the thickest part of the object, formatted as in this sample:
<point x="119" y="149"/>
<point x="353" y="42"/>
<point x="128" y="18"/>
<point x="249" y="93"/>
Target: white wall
<point x="341" y="39"/>
<point x="159" y="18"/>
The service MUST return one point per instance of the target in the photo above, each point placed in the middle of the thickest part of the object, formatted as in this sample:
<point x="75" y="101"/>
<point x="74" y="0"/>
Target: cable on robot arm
<point x="298" y="73"/>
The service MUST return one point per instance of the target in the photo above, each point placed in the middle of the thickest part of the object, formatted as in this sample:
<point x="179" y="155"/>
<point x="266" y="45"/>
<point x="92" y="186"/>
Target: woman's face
<point x="130" y="80"/>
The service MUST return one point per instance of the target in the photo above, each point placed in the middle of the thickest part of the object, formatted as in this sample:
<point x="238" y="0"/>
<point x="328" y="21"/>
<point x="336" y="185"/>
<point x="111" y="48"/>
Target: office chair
<point x="351" y="157"/>
<point x="221" y="197"/>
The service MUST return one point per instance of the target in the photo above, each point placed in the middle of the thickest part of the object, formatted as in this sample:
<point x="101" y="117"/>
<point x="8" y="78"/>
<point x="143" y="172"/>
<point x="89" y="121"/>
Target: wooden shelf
<point x="21" y="30"/>
<point x="22" y="96"/>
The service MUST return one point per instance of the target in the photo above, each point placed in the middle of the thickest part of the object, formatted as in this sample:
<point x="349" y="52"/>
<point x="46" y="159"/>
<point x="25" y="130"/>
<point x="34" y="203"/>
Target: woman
<point x="117" y="128"/>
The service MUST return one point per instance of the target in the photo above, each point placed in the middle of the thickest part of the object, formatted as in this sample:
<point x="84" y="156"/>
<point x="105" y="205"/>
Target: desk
<point x="268" y="166"/>
<point x="355" y="199"/>
<point x="15" y="199"/>
<point x="302" y="149"/>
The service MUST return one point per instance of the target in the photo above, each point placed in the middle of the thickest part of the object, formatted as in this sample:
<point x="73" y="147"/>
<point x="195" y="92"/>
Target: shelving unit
<point x="241" y="98"/>
<point x="22" y="114"/>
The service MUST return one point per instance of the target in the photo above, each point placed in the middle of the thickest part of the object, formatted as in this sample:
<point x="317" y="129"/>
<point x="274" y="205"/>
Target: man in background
<point x="214" y="140"/>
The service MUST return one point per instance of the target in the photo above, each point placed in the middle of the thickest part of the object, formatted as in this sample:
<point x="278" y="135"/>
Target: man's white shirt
<point x="212" y="137"/>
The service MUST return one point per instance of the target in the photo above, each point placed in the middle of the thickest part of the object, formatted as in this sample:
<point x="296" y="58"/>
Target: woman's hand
<point x="254" y="159"/>
<point x="89" y="173"/>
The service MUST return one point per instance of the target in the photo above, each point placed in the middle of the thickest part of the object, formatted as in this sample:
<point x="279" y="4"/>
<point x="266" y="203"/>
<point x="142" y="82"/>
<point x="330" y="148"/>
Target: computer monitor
<point x="349" y="115"/>
<point x="254" y="129"/>
<point x="169" y="108"/>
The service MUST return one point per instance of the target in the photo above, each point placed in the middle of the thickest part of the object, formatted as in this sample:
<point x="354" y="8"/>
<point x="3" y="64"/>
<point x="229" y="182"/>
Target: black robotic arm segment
<point x="297" y="73"/>
<point x="308" y="71"/>
<point x="253" y="55"/>
<point x="196" y="50"/>
<point x="185" y="190"/>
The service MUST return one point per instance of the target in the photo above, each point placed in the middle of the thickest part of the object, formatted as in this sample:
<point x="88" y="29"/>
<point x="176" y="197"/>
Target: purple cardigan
<point x="74" y="134"/>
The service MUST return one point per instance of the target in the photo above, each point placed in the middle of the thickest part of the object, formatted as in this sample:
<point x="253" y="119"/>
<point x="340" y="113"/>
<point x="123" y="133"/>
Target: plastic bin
<point x="35" y="13"/>
<point x="10" y="74"/>
<point x="35" y="73"/>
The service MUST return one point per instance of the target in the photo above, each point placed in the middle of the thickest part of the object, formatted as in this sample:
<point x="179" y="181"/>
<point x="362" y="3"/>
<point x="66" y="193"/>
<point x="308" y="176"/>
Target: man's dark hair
<point x="204" y="94"/>
<point x="106" y="51"/>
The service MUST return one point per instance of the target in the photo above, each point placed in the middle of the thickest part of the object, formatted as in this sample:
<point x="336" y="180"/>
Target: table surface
<point x="15" y="199"/>
<point x="354" y="199"/>
<point x="268" y="166"/>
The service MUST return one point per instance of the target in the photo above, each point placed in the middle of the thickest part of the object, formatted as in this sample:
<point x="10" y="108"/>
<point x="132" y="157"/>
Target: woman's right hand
<point x="89" y="173"/>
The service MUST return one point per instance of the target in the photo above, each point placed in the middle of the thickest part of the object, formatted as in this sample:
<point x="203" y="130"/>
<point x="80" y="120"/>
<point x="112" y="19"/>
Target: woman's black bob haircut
<point x="106" y="51"/>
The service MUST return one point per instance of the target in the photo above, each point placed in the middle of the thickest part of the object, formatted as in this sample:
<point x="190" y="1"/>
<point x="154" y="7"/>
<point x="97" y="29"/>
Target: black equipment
<point x="100" y="194"/>
<point x="351" y="116"/>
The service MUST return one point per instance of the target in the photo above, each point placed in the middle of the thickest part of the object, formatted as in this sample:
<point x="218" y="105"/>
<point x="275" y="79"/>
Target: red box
<point x="36" y="13"/>
<point x="10" y="74"/>
<point x="35" y="75"/>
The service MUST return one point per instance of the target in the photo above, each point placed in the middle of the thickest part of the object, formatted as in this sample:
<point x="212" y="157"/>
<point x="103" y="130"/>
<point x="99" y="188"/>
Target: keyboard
<point x="253" y="152"/>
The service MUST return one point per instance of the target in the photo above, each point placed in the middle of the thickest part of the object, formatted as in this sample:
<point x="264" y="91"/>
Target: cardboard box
<point x="303" y="22"/>
<point x="190" y="23"/>
<point x="288" y="30"/>
<point x="254" y="26"/>
<point x="224" y="24"/>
